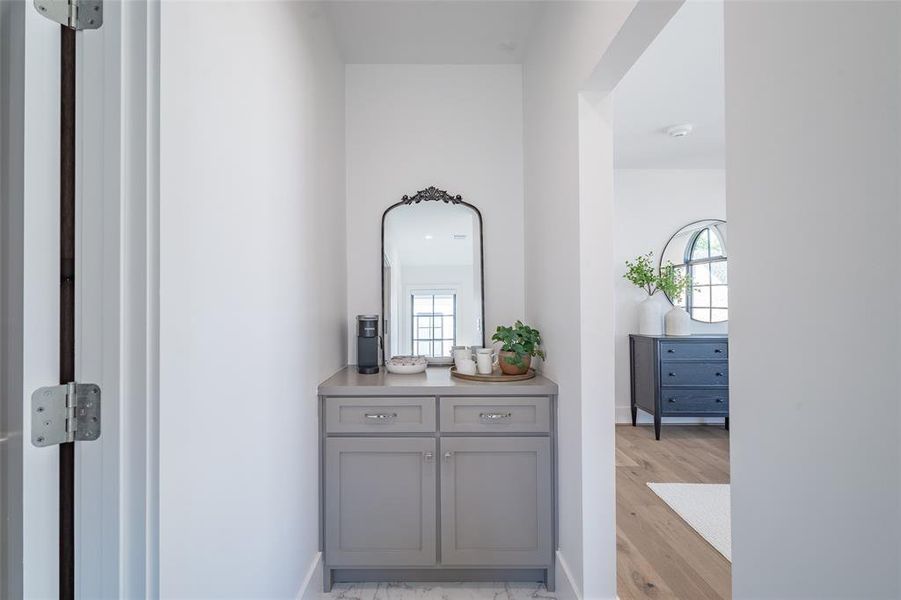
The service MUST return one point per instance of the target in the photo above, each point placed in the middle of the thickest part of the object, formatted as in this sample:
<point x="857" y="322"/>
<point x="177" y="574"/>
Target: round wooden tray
<point x="496" y="377"/>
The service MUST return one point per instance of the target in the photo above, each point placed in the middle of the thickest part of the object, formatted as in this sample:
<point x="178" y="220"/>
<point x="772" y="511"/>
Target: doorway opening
<point x="664" y="112"/>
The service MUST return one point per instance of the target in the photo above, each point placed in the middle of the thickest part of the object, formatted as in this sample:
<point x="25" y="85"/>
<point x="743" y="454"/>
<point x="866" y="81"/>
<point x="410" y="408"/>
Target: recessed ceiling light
<point x="428" y="236"/>
<point x="677" y="131"/>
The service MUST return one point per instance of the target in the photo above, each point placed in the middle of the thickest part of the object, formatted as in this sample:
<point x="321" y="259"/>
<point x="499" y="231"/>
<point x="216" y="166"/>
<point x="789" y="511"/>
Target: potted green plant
<point x="641" y="273"/>
<point x="518" y="345"/>
<point x="674" y="283"/>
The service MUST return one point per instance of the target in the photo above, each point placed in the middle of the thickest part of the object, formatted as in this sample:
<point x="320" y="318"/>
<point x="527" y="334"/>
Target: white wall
<point x="812" y="126"/>
<point x="650" y="205"/>
<point x="458" y="127"/>
<point x="566" y="44"/>
<point x="252" y="290"/>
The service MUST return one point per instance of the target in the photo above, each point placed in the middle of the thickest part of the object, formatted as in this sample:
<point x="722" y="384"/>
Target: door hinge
<point x="65" y="413"/>
<point x="75" y="14"/>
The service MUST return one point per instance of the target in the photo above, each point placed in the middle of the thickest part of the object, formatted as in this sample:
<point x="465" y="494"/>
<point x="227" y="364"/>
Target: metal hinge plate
<point x="65" y="413"/>
<point x="76" y="14"/>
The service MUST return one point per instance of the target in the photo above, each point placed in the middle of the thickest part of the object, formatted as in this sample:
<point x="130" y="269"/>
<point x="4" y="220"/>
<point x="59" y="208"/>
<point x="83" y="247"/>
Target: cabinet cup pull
<point x="428" y="456"/>
<point x="719" y="374"/>
<point x="495" y="416"/>
<point x="719" y="400"/>
<point x="671" y="351"/>
<point x="448" y="455"/>
<point x="671" y="374"/>
<point x="718" y="350"/>
<point x="380" y="416"/>
<point x="672" y="400"/>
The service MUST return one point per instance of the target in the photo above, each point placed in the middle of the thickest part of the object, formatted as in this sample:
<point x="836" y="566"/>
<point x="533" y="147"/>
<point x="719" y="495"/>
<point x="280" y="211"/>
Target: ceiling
<point x="432" y="32"/>
<point x="424" y="234"/>
<point x="678" y="79"/>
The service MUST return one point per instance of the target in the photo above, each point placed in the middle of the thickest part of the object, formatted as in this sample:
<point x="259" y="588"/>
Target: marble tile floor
<point x="438" y="591"/>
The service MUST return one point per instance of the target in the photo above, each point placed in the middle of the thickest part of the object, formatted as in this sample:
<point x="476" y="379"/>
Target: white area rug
<point x="704" y="506"/>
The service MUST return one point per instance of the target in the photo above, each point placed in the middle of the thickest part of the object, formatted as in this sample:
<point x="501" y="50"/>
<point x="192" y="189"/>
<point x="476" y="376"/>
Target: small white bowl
<point x="406" y="365"/>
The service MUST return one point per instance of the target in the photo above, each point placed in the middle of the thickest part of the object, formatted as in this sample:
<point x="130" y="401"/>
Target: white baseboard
<point x="312" y="582"/>
<point x="567" y="589"/>
<point x="624" y="416"/>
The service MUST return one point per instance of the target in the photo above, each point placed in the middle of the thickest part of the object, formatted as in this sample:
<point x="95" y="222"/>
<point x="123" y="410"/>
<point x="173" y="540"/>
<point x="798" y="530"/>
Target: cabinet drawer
<point x="476" y="415"/>
<point x="713" y="350"/>
<point x="374" y="415"/>
<point x="676" y="402"/>
<point x="697" y="373"/>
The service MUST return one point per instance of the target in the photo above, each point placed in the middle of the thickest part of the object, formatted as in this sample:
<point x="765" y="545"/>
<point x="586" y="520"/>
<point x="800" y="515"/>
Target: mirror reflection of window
<point x="432" y="279"/>
<point x="434" y="328"/>
<point x="699" y="250"/>
<point x="706" y="265"/>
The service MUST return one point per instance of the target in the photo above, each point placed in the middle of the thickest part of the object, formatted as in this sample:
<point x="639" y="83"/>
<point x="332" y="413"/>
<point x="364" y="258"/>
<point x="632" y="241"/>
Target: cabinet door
<point x="380" y="502"/>
<point x="496" y="501"/>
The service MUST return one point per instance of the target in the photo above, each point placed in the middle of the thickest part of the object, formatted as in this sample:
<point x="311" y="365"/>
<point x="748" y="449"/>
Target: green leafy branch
<point x="673" y="282"/>
<point x="641" y="273"/>
<point x="669" y="280"/>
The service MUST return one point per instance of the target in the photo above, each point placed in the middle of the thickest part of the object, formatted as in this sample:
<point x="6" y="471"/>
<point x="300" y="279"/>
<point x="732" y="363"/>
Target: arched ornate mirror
<point x="699" y="250"/>
<point x="433" y="294"/>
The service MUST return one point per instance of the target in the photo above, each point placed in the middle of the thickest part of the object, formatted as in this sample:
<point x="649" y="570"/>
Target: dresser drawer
<point x="485" y="415"/>
<point x="694" y="373"/>
<point x="379" y="415"/>
<point x="712" y="350"/>
<point x="682" y="401"/>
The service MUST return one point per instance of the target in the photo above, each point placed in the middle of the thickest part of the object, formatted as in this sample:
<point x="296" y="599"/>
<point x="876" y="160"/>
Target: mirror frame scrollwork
<point x="432" y="194"/>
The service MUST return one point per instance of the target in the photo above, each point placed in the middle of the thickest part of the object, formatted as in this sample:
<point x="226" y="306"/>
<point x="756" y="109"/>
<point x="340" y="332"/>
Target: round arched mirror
<point x="699" y="251"/>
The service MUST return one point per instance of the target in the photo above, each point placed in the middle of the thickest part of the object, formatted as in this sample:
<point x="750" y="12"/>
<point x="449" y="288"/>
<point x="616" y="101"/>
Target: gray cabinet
<point x="426" y="478"/>
<point x="495" y="501"/>
<point x="384" y="491"/>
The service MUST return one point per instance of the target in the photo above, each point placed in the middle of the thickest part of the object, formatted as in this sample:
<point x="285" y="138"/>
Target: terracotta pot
<point x="509" y="369"/>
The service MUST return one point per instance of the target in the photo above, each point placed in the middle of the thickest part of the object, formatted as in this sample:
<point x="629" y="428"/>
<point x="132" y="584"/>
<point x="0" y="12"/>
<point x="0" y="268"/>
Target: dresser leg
<point x="727" y="423"/>
<point x="657" y="427"/>
<point x="634" y="415"/>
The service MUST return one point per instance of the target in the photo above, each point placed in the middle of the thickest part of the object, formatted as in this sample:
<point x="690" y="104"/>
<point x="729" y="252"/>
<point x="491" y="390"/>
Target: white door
<point x="114" y="309"/>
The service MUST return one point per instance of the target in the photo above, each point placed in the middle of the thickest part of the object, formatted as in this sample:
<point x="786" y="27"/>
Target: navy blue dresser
<point x="680" y="376"/>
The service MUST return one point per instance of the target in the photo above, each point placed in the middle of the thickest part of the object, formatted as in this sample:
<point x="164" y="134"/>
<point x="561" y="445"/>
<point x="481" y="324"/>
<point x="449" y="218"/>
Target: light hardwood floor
<point x="657" y="554"/>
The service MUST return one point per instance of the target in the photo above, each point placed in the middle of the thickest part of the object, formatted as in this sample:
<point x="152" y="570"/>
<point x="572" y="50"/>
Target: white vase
<point x="650" y="317"/>
<point x="678" y="322"/>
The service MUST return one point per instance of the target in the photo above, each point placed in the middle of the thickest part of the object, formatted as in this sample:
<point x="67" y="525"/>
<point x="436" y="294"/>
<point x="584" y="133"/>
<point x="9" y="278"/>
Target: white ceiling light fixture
<point x="428" y="236"/>
<point x="679" y="131"/>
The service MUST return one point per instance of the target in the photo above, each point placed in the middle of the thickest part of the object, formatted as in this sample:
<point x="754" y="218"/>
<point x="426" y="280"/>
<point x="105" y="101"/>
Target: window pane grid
<point x="707" y="298"/>
<point x="434" y="324"/>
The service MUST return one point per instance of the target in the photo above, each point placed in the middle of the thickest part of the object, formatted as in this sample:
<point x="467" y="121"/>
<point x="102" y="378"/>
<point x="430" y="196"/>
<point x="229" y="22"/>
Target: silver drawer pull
<point x="380" y="416"/>
<point x="495" y="416"/>
<point x="448" y="455"/>
<point x="428" y="456"/>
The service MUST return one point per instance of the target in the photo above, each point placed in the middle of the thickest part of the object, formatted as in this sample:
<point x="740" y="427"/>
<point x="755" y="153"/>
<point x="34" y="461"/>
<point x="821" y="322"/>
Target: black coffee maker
<point x="367" y="344"/>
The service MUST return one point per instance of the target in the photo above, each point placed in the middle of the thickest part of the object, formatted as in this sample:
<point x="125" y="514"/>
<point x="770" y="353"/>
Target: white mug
<point x="485" y="360"/>
<point x="467" y="366"/>
<point x="461" y="353"/>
